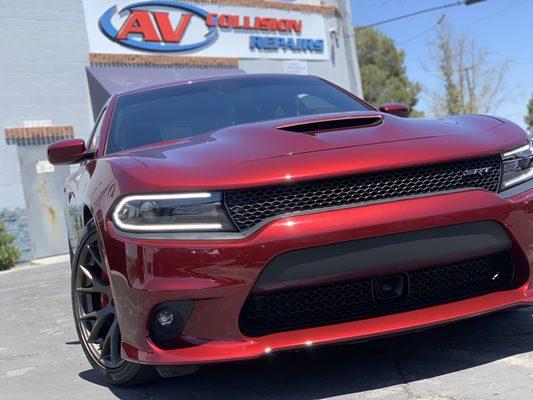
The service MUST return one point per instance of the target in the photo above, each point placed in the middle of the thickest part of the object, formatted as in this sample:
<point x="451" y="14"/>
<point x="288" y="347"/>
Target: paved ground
<point x="486" y="358"/>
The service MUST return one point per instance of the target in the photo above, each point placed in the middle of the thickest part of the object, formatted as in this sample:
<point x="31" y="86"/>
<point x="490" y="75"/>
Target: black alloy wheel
<point x="95" y="309"/>
<point x="95" y="316"/>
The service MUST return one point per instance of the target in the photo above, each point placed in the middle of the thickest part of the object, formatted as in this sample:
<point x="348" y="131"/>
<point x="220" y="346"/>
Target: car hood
<point x="266" y="153"/>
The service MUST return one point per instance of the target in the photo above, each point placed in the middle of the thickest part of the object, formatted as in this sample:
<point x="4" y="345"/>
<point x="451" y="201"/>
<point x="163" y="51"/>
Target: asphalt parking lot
<point x="484" y="358"/>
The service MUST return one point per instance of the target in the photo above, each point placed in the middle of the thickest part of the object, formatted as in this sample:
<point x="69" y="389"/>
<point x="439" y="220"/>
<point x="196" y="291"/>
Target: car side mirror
<point x="68" y="151"/>
<point x="398" y="109"/>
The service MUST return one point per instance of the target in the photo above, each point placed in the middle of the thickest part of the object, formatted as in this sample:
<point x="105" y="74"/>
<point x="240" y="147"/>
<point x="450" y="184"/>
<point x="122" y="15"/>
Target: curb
<point x="37" y="263"/>
<point x="50" y="260"/>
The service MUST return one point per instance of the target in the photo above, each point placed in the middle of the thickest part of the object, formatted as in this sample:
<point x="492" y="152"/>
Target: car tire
<point x="91" y="300"/>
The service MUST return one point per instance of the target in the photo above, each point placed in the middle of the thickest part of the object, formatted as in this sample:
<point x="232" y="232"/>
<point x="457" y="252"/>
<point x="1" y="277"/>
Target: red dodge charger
<point x="228" y="218"/>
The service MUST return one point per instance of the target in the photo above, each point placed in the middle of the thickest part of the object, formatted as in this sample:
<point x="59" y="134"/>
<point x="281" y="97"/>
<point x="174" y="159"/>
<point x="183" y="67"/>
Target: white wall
<point x="43" y="53"/>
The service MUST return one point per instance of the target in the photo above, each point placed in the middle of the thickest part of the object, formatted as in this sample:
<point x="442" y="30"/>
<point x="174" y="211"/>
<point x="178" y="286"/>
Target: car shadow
<point x="345" y="369"/>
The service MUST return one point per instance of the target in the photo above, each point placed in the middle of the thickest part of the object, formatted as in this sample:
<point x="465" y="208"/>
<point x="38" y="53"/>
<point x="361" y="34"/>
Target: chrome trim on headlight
<point x="198" y="211"/>
<point x="516" y="190"/>
<point x="517" y="166"/>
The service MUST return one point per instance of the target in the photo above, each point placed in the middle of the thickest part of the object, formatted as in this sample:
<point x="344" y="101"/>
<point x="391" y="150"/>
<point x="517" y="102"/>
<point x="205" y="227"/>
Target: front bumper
<point x="219" y="275"/>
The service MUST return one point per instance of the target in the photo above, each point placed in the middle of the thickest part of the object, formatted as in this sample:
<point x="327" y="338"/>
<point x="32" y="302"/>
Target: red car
<point x="228" y="218"/>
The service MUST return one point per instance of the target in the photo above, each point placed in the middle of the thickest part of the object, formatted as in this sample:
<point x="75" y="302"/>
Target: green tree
<point x="529" y="116"/>
<point x="8" y="254"/>
<point x="383" y="73"/>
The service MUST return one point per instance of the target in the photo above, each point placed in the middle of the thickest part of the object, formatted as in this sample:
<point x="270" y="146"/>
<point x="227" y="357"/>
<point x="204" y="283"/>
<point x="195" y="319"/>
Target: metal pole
<point x="351" y="49"/>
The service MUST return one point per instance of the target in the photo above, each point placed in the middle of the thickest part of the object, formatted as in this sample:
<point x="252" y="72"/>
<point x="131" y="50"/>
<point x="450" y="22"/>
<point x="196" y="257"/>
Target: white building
<point x="62" y="59"/>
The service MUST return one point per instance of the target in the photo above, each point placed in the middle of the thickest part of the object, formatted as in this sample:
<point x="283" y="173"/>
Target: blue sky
<point x="503" y="27"/>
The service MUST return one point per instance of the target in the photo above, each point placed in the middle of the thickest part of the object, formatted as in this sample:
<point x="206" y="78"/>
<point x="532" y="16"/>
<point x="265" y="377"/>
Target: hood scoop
<point x="332" y="124"/>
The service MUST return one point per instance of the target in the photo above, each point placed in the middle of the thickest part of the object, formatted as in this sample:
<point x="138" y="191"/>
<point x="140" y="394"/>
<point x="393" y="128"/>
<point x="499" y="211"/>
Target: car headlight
<point x="181" y="212"/>
<point x="517" y="166"/>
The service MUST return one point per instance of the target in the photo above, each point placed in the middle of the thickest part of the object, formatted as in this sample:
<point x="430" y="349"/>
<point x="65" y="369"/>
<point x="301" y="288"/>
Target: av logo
<point x="148" y="25"/>
<point x="141" y="22"/>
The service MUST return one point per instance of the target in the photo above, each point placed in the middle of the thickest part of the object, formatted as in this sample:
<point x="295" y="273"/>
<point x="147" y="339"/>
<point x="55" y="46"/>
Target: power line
<point x="499" y="12"/>
<point x="439" y="21"/>
<point x="378" y="4"/>
<point x="458" y="3"/>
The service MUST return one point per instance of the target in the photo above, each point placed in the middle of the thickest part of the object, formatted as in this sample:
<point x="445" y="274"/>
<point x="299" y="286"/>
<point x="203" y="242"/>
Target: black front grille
<point x="249" y="207"/>
<point x="296" y="308"/>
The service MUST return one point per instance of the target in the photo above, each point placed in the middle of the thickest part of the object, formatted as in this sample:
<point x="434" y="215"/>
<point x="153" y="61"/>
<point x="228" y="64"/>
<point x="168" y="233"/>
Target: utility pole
<point x="351" y="50"/>
<point x="458" y="3"/>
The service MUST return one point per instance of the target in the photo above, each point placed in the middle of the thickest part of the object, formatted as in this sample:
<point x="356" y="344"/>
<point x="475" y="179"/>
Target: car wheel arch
<point x="87" y="215"/>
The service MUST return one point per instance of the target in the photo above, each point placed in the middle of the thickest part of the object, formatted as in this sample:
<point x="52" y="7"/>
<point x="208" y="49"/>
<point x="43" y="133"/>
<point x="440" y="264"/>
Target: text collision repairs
<point x="156" y="27"/>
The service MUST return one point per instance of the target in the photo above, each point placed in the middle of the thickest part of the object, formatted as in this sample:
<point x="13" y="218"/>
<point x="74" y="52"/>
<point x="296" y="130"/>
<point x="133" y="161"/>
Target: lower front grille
<point x="290" y="309"/>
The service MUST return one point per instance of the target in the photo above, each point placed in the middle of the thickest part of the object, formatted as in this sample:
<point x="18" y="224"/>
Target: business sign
<point x="307" y="2"/>
<point x="209" y="30"/>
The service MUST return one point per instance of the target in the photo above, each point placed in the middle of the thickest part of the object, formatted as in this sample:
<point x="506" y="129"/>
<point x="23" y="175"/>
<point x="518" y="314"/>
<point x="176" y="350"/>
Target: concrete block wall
<point x="43" y="54"/>
<point x="44" y="51"/>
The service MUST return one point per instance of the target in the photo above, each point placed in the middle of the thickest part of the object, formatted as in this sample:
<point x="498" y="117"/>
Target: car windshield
<point x="189" y="110"/>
